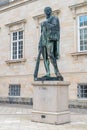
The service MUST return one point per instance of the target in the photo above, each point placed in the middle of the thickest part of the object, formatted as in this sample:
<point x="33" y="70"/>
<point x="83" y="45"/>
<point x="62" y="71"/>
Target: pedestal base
<point x="51" y="117"/>
<point x="50" y="102"/>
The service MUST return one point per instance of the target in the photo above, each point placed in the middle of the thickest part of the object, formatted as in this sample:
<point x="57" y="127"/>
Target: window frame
<point x="79" y="33"/>
<point x="10" y="92"/>
<point x="79" y="90"/>
<point x="11" y="55"/>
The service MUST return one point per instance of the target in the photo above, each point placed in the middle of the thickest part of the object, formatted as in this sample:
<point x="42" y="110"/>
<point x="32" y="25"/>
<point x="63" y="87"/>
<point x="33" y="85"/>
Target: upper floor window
<point x="82" y="33"/>
<point x="17" y="45"/>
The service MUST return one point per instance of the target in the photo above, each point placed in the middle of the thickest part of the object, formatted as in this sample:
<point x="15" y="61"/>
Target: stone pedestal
<point x="50" y="102"/>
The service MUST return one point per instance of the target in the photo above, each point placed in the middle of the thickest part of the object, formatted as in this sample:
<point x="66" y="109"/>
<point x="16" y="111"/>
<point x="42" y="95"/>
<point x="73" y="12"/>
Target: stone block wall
<point x="30" y="14"/>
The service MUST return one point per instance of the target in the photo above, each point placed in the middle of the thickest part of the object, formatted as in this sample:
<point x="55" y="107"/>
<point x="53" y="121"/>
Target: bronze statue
<point x="49" y="44"/>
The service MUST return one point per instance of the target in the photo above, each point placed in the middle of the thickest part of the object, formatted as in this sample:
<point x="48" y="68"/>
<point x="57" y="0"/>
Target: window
<point x="82" y="90"/>
<point x="17" y="45"/>
<point x="14" y="90"/>
<point x="4" y="2"/>
<point x="83" y="33"/>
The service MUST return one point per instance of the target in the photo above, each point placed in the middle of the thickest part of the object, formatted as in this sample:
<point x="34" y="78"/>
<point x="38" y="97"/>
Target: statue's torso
<point x="53" y="28"/>
<point x="50" y="30"/>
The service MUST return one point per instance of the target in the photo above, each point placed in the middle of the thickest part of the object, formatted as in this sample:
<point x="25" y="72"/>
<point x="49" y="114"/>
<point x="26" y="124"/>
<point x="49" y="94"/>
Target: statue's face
<point x="48" y="12"/>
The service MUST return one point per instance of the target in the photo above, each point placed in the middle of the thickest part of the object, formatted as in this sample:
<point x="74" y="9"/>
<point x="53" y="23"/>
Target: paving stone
<point x="18" y="118"/>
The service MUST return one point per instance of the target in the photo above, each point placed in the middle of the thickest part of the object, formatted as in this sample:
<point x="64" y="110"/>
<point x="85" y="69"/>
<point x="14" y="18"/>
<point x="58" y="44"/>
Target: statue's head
<point x="48" y="11"/>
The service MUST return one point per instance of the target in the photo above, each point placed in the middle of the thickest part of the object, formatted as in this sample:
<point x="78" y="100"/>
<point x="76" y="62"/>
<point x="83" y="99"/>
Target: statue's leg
<point x="50" y="50"/>
<point x="46" y="61"/>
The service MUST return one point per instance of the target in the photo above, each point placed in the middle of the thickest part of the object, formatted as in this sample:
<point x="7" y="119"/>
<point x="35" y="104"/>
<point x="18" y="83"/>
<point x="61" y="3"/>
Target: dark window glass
<point x="14" y="90"/>
<point x="82" y="91"/>
<point x="83" y="32"/>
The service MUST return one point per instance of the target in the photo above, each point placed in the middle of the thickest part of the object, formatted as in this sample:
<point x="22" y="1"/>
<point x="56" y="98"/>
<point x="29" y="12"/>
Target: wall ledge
<point x="16" y="22"/>
<point x="15" y="4"/>
<point x="15" y="61"/>
<point x="75" y="55"/>
<point x="78" y="53"/>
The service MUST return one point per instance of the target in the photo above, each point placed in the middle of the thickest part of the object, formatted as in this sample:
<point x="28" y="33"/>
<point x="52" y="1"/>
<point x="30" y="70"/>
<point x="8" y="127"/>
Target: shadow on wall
<point x="16" y="100"/>
<point x="78" y="104"/>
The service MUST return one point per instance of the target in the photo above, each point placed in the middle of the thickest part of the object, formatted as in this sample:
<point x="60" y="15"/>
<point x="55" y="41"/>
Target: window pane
<point x="81" y="37"/>
<point x="81" y="31"/>
<point x="20" y="50"/>
<point x="85" y="87"/>
<point x="85" y="30"/>
<point x="14" y="36"/>
<point x="85" y="36"/>
<point x="86" y="91"/>
<point x="85" y="42"/>
<point x="81" y="96"/>
<point x="20" y="35"/>
<point x="81" y="43"/>
<point x="85" y="21"/>
<point x="81" y="48"/>
<point x="85" y="95"/>
<point x="14" y="50"/>
<point x="81" y="34"/>
<point x="81" y="20"/>
<point x="85" y="47"/>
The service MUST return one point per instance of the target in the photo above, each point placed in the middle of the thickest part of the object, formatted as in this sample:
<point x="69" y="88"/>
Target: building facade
<point x="19" y="36"/>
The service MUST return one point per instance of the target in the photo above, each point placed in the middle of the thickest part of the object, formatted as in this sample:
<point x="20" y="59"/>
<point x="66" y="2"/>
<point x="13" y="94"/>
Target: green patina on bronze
<point x="49" y="44"/>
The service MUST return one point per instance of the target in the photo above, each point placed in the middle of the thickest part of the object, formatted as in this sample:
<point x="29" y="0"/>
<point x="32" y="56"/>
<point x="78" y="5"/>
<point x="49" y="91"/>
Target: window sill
<point x="35" y="58"/>
<point x="14" y="96"/>
<point x="15" y="61"/>
<point x="75" y="55"/>
<point x="82" y="99"/>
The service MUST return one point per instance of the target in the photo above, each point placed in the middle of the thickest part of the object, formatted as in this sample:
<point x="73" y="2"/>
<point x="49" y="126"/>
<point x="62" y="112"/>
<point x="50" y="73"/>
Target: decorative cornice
<point x="15" y="4"/>
<point x="39" y="16"/>
<point x="78" y="5"/>
<point x="16" y="22"/>
<point x="75" y="7"/>
<point x="7" y="2"/>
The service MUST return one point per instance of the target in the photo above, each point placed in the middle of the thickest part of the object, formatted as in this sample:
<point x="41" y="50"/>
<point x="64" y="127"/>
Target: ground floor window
<point x="14" y="89"/>
<point x="82" y="91"/>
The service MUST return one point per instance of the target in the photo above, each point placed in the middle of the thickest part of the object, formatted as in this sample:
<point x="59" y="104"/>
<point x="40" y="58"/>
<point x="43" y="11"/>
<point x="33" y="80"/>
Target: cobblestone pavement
<point x="17" y="117"/>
